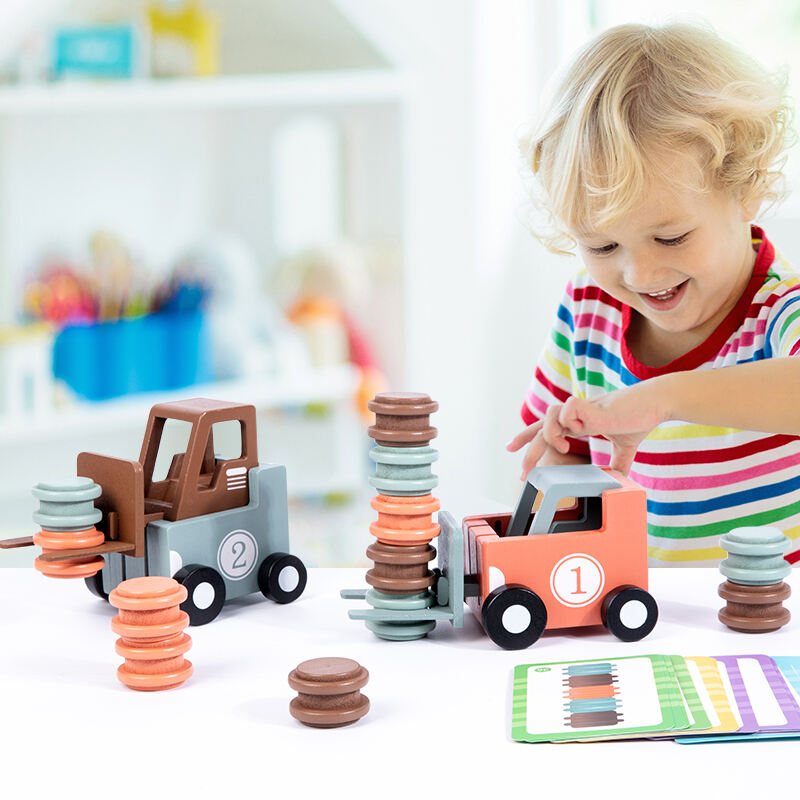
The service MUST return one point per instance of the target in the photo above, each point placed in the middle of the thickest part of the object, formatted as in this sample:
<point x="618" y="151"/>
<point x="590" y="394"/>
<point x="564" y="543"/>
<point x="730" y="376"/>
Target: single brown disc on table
<point x="402" y="419"/>
<point x="754" y="609"/>
<point x="328" y="693"/>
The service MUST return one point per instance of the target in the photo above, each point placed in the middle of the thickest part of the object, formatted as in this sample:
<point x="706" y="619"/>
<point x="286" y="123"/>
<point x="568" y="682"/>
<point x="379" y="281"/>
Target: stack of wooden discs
<point x="400" y="579"/>
<point x="328" y="692"/>
<point x="150" y="625"/>
<point x="68" y="515"/>
<point x="754" y="589"/>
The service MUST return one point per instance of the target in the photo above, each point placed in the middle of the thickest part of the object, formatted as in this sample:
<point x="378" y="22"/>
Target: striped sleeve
<point x="783" y="325"/>
<point x="554" y="379"/>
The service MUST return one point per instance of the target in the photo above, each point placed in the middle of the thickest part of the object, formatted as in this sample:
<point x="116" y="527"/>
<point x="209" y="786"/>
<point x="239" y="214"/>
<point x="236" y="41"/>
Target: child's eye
<point x="672" y="242"/>
<point x="606" y="248"/>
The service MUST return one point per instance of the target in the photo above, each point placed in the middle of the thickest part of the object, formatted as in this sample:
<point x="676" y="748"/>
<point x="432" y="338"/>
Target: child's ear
<point x="749" y="208"/>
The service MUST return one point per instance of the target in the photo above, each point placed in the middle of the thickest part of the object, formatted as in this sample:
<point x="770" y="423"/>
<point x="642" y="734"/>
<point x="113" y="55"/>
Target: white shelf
<point x="327" y="385"/>
<point x="330" y="88"/>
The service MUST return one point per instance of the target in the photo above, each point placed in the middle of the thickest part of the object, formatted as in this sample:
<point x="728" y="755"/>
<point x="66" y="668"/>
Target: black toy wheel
<point x="206" y="592"/>
<point x="513" y="616"/>
<point x="282" y="577"/>
<point x="94" y="583"/>
<point x="630" y="613"/>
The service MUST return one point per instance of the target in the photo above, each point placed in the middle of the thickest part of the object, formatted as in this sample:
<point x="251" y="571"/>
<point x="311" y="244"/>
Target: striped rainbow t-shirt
<point x="701" y="481"/>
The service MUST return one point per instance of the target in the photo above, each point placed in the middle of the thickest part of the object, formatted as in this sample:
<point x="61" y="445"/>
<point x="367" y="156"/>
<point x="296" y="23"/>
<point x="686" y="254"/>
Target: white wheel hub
<point x="516" y="619"/>
<point x="288" y="579"/>
<point x="633" y="614"/>
<point x="203" y="595"/>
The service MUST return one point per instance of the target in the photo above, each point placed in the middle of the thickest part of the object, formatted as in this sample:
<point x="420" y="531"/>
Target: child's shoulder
<point x="780" y="285"/>
<point x="781" y="274"/>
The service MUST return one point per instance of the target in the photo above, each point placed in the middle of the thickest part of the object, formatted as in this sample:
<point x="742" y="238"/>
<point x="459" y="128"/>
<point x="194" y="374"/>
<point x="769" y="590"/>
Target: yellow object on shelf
<point x="184" y="40"/>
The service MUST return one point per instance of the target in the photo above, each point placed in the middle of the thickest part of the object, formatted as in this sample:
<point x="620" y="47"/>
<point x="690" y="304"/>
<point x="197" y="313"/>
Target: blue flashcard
<point x="790" y="669"/>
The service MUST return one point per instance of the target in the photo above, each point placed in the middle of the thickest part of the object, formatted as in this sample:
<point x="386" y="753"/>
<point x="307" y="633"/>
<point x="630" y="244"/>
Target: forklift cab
<point x="198" y="482"/>
<point x="584" y="483"/>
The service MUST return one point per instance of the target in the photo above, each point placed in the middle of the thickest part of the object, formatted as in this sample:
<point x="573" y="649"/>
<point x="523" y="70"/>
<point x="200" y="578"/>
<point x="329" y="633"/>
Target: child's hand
<point x="540" y="453"/>
<point x="624" y="417"/>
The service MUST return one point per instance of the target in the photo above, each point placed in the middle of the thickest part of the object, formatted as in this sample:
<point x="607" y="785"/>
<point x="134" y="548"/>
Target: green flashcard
<point x="629" y="697"/>
<point x="698" y="719"/>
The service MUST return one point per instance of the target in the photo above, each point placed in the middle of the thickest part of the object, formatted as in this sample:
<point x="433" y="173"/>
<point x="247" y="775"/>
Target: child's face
<point x="681" y="259"/>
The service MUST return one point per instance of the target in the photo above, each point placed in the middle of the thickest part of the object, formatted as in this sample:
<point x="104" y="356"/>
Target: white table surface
<point x="440" y="715"/>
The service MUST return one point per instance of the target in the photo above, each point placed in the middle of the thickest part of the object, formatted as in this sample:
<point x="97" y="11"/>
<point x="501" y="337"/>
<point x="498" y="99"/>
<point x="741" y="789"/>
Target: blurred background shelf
<point x="314" y="387"/>
<point x="334" y="88"/>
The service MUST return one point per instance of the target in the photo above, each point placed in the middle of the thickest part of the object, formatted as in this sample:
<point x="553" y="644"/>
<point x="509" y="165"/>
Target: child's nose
<point x="641" y="272"/>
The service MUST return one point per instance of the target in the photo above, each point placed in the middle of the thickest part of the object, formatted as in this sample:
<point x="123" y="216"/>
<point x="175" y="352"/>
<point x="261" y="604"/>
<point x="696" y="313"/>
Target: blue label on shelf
<point x="95" y="52"/>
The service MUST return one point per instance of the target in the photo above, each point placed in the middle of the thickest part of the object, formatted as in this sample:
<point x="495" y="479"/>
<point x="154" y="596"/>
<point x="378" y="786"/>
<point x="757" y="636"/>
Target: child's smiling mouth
<point x="665" y="299"/>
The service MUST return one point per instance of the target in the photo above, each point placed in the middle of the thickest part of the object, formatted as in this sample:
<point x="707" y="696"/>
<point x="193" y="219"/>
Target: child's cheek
<point x="604" y="274"/>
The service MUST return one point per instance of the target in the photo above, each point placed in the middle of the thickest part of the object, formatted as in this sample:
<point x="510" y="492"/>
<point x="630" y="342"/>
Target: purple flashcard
<point x="764" y="698"/>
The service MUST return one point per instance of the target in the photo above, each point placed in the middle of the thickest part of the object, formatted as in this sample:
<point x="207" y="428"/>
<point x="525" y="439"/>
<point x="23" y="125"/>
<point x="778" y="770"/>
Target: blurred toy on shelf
<point x="30" y="61"/>
<point x="324" y="291"/>
<point x="249" y="334"/>
<point x="60" y="296"/>
<point x="120" y="41"/>
<point x="183" y="39"/>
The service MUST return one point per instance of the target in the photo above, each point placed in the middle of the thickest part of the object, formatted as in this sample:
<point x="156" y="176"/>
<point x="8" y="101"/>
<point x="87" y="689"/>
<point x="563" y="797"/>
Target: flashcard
<point x="790" y="669"/>
<point x="740" y="705"/>
<point x="692" y="703"/>
<point x="737" y="737"/>
<point x="706" y="677"/>
<point x="698" y="718"/>
<point x="627" y="697"/>
<point x="765" y="701"/>
<point x="694" y="700"/>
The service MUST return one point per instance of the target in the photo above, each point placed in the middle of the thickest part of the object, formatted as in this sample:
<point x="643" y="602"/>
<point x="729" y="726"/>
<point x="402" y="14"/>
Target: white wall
<point x="480" y="292"/>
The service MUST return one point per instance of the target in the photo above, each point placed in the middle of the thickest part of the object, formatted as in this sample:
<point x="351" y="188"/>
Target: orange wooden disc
<point x="154" y="683"/>
<point x="72" y="568"/>
<point x="68" y="540"/>
<point x="151" y="630"/>
<point x="148" y="593"/>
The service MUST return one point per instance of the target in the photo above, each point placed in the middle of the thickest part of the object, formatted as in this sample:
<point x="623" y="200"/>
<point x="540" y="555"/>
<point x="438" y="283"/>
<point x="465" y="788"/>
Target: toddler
<point x="673" y="353"/>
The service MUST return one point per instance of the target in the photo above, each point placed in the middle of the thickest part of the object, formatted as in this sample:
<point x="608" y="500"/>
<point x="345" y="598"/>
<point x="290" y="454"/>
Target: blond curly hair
<point x="636" y="94"/>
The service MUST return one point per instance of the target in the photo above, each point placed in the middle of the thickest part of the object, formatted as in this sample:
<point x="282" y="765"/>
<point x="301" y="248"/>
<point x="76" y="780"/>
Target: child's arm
<point x="760" y="396"/>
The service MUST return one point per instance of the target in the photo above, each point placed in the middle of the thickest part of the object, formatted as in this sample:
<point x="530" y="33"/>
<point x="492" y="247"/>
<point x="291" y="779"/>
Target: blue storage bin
<point x="156" y="352"/>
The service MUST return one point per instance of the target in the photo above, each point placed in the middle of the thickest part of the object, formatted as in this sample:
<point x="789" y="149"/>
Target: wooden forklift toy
<point x="528" y="571"/>
<point x="218" y="526"/>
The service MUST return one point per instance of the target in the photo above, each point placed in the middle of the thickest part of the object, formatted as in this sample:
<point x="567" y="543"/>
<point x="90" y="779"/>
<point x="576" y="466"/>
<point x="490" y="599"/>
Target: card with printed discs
<point x="633" y="696"/>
